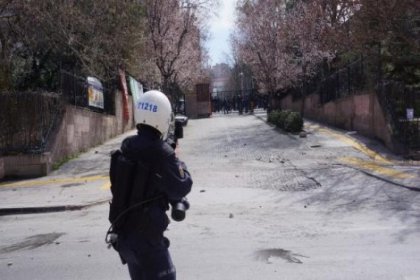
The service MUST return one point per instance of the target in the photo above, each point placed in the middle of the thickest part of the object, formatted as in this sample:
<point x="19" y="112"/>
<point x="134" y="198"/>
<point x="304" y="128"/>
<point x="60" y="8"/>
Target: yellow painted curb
<point x="355" y="144"/>
<point x="377" y="164"/>
<point x="106" y="186"/>
<point x="31" y="183"/>
<point x="375" y="167"/>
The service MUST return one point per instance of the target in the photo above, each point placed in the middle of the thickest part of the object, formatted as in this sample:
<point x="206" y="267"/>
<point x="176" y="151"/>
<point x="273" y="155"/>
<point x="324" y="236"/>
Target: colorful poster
<point x="123" y="82"/>
<point x="95" y="93"/>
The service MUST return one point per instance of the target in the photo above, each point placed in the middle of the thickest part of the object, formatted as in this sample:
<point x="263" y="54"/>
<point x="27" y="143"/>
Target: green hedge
<point x="287" y="120"/>
<point x="273" y="117"/>
<point x="282" y="118"/>
<point x="293" y="122"/>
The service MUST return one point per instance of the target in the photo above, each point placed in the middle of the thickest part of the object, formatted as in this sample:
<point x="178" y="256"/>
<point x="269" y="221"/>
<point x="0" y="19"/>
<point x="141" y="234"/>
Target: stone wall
<point x="80" y="129"/>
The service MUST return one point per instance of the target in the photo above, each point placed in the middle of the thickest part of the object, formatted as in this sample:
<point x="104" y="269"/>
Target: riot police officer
<point x="160" y="179"/>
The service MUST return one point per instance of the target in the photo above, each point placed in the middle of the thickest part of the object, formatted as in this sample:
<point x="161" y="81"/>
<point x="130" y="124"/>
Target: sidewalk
<point x="35" y="196"/>
<point x="382" y="165"/>
<point x="77" y="184"/>
<point x="371" y="147"/>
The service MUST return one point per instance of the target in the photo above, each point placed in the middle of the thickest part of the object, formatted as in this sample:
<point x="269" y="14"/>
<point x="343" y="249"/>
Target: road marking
<point x="377" y="163"/>
<point x="106" y="186"/>
<point x="358" y="146"/>
<point x="377" y="168"/>
<point x="30" y="183"/>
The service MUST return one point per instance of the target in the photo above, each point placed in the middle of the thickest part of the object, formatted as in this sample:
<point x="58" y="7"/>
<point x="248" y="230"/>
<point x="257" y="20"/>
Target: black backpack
<point x="129" y="182"/>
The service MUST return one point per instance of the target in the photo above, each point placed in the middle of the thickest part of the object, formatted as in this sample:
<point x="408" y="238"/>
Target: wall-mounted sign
<point x="95" y="93"/>
<point x="410" y="114"/>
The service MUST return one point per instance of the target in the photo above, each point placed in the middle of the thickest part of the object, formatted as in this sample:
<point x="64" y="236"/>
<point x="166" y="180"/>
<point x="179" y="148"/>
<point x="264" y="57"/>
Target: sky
<point x="220" y="27"/>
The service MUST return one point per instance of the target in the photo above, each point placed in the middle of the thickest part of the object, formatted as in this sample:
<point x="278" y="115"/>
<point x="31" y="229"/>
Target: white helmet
<point x="154" y="109"/>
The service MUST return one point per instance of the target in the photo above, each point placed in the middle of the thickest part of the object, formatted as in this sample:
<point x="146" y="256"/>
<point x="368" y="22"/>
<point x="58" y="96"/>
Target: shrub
<point x="282" y="118"/>
<point x="293" y="122"/>
<point x="273" y="117"/>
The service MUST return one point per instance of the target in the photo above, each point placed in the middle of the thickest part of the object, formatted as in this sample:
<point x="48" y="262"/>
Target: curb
<point x="408" y="187"/>
<point x="47" y="209"/>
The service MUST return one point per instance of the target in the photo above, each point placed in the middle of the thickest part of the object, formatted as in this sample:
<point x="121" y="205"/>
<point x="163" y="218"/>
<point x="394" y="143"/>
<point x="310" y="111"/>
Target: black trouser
<point x="147" y="257"/>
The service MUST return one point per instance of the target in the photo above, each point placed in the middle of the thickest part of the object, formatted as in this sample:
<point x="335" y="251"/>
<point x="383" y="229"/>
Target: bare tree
<point x="261" y="42"/>
<point x="285" y="41"/>
<point x="174" y="30"/>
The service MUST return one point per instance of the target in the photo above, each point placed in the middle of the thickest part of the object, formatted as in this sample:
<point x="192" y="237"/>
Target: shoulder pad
<point x="126" y="143"/>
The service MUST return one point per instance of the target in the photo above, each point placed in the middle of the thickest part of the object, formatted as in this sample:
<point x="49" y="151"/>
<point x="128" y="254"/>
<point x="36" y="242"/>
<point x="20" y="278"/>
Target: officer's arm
<point x="176" y="179"/>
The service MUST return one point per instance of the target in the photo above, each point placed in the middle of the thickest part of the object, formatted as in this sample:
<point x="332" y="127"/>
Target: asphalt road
<point x="265" y="205"/>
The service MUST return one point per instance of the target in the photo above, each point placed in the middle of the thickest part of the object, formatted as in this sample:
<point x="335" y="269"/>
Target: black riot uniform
<point x="141" y="242"/>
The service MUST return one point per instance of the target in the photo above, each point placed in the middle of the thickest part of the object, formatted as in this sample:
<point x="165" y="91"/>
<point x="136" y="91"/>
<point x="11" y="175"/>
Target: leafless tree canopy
<point x="286" y="41"/>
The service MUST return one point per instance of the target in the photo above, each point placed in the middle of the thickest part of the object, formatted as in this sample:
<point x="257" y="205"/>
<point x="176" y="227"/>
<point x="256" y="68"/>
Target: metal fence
<point x="347" y="81"/>
<point x="27" y="120"/>
<point x="403" y="105"/>
<point x="75" y="91"/>
<point x="397" y="99"/>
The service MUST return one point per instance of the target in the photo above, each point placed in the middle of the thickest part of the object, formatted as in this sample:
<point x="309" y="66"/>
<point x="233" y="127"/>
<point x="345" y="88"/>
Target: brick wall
<point x="361" y="113"/>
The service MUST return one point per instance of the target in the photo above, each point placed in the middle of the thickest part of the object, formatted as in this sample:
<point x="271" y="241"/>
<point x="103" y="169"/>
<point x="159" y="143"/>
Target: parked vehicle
<point x="181" y="119"/>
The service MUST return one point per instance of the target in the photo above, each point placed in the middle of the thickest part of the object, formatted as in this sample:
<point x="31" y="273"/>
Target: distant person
<point x="147" y="177"/>
<point x="226" y="106"/>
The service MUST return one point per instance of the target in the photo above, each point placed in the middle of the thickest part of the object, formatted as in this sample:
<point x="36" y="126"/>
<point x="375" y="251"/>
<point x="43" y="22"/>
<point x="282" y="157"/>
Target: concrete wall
<point x="361" y="113"/>
<point x="27" y="166"/>
<point x="80" y="129"/>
